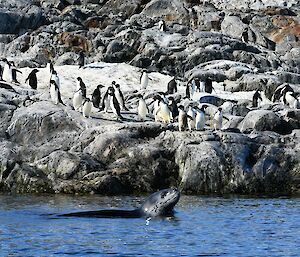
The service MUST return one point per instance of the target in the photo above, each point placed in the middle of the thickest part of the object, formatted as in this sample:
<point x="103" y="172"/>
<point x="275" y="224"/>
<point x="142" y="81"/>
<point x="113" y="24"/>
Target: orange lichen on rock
<point x="76" y="42"/>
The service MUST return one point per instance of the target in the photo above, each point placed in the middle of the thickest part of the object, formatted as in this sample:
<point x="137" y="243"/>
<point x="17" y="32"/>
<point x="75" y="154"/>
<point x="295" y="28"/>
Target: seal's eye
<point x="163" y="194"/>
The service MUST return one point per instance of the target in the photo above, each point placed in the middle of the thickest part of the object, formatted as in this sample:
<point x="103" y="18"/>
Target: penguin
<point x="81" y="59"/>
<point x="80" y="84"/>
<point x="156" y="113"/>
<point x="291" y="100"/>
<point x="14" y="71"/>
<point x="144" y="80"/>
<point x="182" y="119"/>
<point x="208" y="86"/>
<point x="191" y="122"/>
<point x="187" y="91"/>
<point x="55" y="77"/>
<point x="106" y="100"/>
<point x="77" y="99"/>
<point x="96" y="96"/>
<point x="172" y="87"/>
<point x="244" y="36"/>
<point x="197" y="85"/>
<point x="142" y="108"/>
<point x="49" y="67"/>
<point x="162" y="26"/>
<point x="55" y="93"/>
<point x="7" y="71"/>
<point x="32" y="79"/>
<point x="280" y="92"/>
<point x="255" y="98"/>
<point x="173" y="107"/>
<point x="200" y="117"/>
<point x="202" y="86"/>
<point x="119" y="96"/>
<point x="218" y="119"/>
<point x="114" y="104"/>
<point x="192" y="88"/>
<point x="165" y="112"/>
<point x="86" y="108"/>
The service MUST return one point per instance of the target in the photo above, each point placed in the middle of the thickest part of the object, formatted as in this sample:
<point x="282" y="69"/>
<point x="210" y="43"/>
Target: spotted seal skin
<point x="159" y="204"/>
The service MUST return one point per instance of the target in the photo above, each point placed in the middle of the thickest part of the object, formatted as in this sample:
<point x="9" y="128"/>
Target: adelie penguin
<point x="218" y="119"/>
<point x="86" y="107"/>
<point x="7" y="71"/>
<point x="191" y="122"/>
<point x="32" y="79"/>
<point x="81" y="59"/>
<point x="144" y="80"/>
<point x="14" y="71"/>
<point x="77" y="99"/>
<point x="162" y="25"/>
<point x="55" y="93"/>
<point x="96" y="96"/>
<point x="80" y="84"/>
<point x="119" y="96"/>
<point x="200" y="117"/>
<point x="182" y="119"/>
<point x="142" y="108"/>
<point x="173" y="107"/>
<point x="172" y="87"/>
<point x="255" y="98"/>
<point x="54" y="76"/>
<point x="114" y="104"/>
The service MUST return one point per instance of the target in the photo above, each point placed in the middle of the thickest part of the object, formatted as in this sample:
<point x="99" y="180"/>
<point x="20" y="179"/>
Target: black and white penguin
<point x="156" y="106"/>
<point x="14" y="71"/>
<point x="197" y="85"/>
<point x="142" y="109"/>
<point x="55" y="93"/>
<point x="105" y="104"/>
<point x="114" y="104"/>
<point x="182" y="118"/>
<point x="119" y="96"/>
<point x="218" y="119"/>
<point x="7" y="71"/>
<point x="86" y="107"/>
<point x="172" y="87"/>
<point x="191" y="122"/>
<point x="255" y="98"/>
<point x="291" y="100"/>
<point x="173" y="107"/>
<point x="54" y="76"/>
<point x="280" y="91"/>
<point x="77" y="99"/>
<point x="200" y="117"/>
<point x="32" y="79"/>
<point x="81" y="59"/>
<point x="208" y="86"/>
<point x="164" y="111"/>
<point x="96" y="96"/>
<point x="162" y="25"/>
<point x="244" y="36"/>
<point x="80" y="84"/>
<point x="144" y="80"/>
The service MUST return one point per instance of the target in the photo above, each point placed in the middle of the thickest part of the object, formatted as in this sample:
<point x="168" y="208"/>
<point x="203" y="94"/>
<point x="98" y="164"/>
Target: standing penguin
<point x="208" y="86"/>
<point x="173" y="107"/>
<point x="119" y="96"/>
<point x="156" y="113"/>
<point x="144" y="80"/>
<point x="165" y="112"/>
<point x="162" y="25"/>
<point x="55" y="77"/>
<point x="291" y="100"/>
<point x="55" y="93"/>
<point x="77" y="99"/>
<point x="32" y="79"/>
<point x="191" y="122"/>
<point x="172" y="87"/>
<point x="182" y="119"/>
<point x="255" y="98"/>
<point x="7" y="71"/>
<point x="218" y="119"/>
<point x="80" y="84"/>
<point x="81" y="59"/>
<point x="105" y="104"/>
<point x="86" y="108"/>
<point x="142" y="108"/>
<point x="14" y="71"/>
<point x="200" y="117"/>
<point x="96" y="96"/>
<point x="114" y="104"/>
<point x="202" y="86"/>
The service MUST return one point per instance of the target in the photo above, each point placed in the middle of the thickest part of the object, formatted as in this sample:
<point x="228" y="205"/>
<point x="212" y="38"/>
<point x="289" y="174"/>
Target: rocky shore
<point x="243" y="47"/>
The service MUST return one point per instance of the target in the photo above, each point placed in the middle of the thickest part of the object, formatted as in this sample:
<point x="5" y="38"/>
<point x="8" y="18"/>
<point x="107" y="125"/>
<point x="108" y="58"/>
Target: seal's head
<point x="161" y="203"/>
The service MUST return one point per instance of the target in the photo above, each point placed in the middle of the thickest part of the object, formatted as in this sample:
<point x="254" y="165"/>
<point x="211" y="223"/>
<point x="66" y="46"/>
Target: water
<point x="203" y="226"/>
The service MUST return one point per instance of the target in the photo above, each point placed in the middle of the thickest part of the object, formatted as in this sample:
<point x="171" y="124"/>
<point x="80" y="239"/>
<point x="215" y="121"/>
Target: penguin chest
<point x="200" y="121"/>
<point x="86" y="109"/>
<point x="77" y="100"/>
<point x="165" y="113"/>
<point x="7" y="73"/>
<point x="144" y="81"/>
<point x="54" y="94"/>
<point x="142" y="109"/>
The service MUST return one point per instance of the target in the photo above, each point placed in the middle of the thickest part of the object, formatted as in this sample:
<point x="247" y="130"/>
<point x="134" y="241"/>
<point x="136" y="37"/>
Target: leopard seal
<point x="158" y="204"/>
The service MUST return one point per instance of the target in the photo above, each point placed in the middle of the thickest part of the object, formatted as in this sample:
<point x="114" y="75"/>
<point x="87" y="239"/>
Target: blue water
<point x="203" y="226"/>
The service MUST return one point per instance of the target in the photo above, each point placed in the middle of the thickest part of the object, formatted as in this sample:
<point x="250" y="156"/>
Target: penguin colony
<point x="169" y="107"/>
